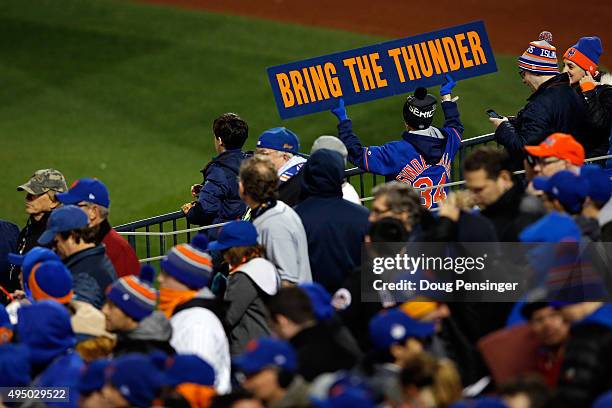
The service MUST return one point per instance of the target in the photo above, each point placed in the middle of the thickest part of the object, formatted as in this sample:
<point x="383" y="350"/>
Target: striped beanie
<point x="135" y="296"/>
<point x="540" y="57"/>
<point x="50" y="280"/>
<point x="189" y="263"/>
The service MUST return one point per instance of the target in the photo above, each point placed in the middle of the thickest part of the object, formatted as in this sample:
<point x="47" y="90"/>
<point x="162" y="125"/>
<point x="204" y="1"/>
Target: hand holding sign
<point x="340" y="111"/>
<point x="448" y="85"/>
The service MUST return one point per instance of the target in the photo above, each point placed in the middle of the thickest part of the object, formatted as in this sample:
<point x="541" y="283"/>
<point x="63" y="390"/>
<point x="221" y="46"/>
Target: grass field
<point x="127" y="93"/>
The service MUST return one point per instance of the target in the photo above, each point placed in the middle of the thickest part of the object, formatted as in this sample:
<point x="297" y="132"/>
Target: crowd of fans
<point x="265" y="311"/>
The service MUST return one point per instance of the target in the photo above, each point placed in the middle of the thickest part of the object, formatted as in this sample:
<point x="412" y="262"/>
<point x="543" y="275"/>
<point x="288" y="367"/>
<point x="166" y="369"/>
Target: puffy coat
<point x="553" y="107"/>
<point x="219" y="200"/>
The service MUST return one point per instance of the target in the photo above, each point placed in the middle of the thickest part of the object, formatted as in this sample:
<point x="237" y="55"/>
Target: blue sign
<point x="381" y="70"/>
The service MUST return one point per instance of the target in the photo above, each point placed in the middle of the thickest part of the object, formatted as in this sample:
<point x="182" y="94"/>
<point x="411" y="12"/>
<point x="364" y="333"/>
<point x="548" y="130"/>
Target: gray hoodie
<point x="247" y="316"/>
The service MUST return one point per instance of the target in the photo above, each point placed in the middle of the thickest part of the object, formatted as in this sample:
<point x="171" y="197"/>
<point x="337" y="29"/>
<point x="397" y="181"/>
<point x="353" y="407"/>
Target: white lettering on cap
<point x="421" y="114"/>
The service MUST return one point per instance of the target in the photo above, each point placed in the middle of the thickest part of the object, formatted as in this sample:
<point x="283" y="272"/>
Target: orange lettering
<point x="477" y="52"/>
<point x="437" y="56"/>
<point x="410" y="63"/>
<point x="380" y="82"/>
<point x="332" y="80"/>
<point x="365" y="72"/>
<point x="285" y="90"/>
<point x="424" y="61"/>
<point x="350" y="64"/>
<point x="394" y="53"/>
<point x="318" y="81"/>
<point x="308" y="84"/>
<point x="298" y="87"/>
<point x="463" y="50"/>
<point x="451" y="53"/>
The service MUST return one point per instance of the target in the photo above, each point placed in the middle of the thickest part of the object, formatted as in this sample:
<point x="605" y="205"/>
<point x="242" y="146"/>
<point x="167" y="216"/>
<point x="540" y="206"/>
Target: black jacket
<point x="508" y="213"/>
<point x="598" y="118"/>
<point x="587" y="366"/>
<point x="335" y="227"/>
<point x="92" y="272"/>
<point x="318" y="352"/>
<point x="219" y="200"/>
<point x="553" y="107"/>
<point x="290" y="191"/>
<point x="9" y="274"/>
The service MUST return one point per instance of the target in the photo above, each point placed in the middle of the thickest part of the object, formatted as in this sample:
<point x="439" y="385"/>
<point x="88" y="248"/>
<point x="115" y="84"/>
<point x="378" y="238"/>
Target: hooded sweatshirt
<point x="247" y="289"/>
<point x="153" y="333"/>
<point x="335" y="228"/>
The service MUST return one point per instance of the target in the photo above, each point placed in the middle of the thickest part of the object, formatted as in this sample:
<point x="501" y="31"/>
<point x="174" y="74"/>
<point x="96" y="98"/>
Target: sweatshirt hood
<point x="323" y="174"/>
<point x="429" y="143"/>
<point x="263" y="273"/>
<point x="153" y="327"/>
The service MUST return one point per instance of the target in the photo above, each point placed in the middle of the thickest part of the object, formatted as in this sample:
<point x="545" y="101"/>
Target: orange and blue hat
<point x="585" y="53"/>
<point x="190" y="264"/>
<point x="135" y="296"/>
<point x="50" y="280"/>
<point x="540" y="57"/>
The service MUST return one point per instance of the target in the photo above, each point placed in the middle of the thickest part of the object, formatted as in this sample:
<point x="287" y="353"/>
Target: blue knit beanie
<point x="585" y="53"/>
<point x="135" y="296"/>
<point x="189" y="264"/>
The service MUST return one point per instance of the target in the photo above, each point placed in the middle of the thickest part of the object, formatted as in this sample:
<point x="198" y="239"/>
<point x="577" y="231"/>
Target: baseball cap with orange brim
<point x="561" y="146"/>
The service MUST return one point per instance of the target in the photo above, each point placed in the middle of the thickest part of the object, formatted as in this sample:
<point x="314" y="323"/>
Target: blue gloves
<point x="448" y="85"/>
<point x="340" y="111"/>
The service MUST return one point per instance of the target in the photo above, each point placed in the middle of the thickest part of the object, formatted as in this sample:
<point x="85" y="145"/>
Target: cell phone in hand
<point x="492" y="114"/>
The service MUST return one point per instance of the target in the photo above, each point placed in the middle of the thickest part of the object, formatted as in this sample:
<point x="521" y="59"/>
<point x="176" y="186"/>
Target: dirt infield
<point x="511" y="24"/>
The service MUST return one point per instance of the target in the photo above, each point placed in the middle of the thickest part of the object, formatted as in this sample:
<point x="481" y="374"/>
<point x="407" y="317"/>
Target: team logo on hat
<point x="571" y="52"/>
<point x="398" y="331"/>
<point x="287" y="146"/>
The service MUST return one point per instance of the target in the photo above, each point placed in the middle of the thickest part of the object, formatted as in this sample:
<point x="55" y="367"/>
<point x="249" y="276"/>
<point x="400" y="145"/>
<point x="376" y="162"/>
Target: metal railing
<point x="151" y="237"/>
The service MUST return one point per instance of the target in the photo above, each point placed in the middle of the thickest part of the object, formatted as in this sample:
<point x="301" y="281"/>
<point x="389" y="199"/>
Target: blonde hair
<point x="95" y="347"/>
<point x="438" y="376"/>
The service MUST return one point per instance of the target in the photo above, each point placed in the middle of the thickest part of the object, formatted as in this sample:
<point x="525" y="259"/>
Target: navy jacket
<point x="553" y="107"/>
<point x="219" y="200"/>
<point x="92" y="272"/>
<point x="335" y="227"/>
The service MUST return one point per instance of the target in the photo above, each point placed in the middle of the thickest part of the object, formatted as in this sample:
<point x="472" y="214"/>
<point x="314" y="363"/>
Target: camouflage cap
<point x="43" y="181"/>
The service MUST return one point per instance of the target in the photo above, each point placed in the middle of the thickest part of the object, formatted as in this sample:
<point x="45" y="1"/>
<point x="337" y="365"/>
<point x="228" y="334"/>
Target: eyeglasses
<point x="542" y="162"/>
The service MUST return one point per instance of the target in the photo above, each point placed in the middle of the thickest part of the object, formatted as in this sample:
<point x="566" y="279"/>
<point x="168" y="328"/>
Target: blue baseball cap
<point x="65" y="218"/>
<point x="86" y="189"/>
<point x="189" y="368"/>
<point x="266" y="352"/>
<point x="394" y="326"/>
<point x="279" y="138"/>
<point x="553" y="227"/>
<point x="92" y="376"/>
<point x="565" y="186"/>
<point x="234" y="234"/>
<point x="600" y="187"/>
<point x="136" y="378"/>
